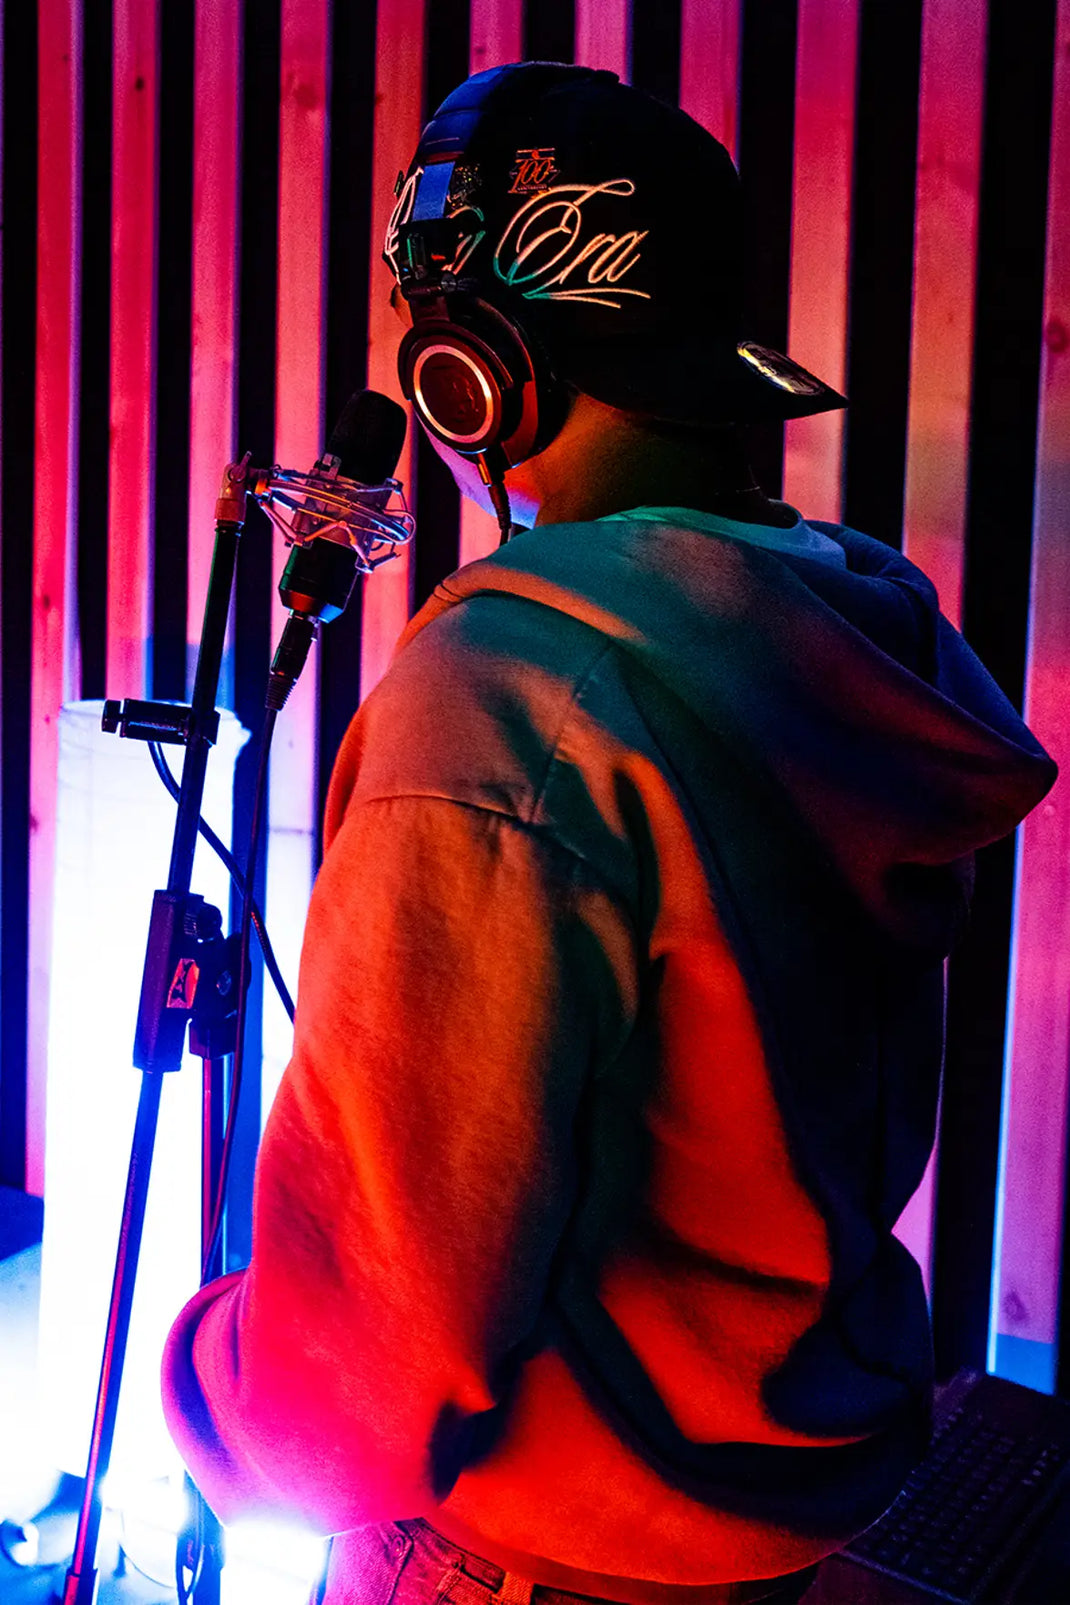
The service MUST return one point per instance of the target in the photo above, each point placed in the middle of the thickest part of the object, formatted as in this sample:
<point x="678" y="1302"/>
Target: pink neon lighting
<point x="55" y="445"/>
<point x="398" y="75"/>
<point x="133" y="341"/>
<point x="1036" y="1092"/>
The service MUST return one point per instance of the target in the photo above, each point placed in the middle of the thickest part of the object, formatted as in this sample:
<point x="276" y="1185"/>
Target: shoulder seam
<point x="579" y="686"/>
<point x="528" y="826"/>
<point x="603" y="648"/>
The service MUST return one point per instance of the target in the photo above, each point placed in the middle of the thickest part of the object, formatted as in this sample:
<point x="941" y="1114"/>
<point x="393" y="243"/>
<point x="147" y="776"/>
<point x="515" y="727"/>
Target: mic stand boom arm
<point x="183" y="956"/>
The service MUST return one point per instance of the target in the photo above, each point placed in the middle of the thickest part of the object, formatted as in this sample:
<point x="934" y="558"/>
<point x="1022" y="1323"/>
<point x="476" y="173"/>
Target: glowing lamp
<point x="268" y="1564"/>
<point x="113" y="838"/>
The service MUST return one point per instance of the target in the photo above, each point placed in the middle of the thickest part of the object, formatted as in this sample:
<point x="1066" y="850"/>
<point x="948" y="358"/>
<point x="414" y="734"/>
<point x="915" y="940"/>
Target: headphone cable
<point x="500" y="498"/>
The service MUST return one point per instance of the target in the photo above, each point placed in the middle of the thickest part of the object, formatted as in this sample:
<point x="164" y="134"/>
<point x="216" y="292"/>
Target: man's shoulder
<point x="473" y="704"/>
<point x="494" y="624"/>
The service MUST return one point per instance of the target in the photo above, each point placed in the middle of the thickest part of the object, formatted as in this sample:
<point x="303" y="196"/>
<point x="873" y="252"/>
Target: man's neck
<point x="576" y="504"/>
<point x="605" y="461"/>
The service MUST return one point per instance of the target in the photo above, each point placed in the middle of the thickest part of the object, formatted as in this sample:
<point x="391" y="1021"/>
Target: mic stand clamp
<point x="184" y="943"/>
<point x="167" y="722"/>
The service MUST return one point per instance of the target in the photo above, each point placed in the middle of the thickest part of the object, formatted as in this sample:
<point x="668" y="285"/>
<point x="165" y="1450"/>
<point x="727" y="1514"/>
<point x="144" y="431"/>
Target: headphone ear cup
<point x="461" y="390"/>
<point x="477" y="383"/>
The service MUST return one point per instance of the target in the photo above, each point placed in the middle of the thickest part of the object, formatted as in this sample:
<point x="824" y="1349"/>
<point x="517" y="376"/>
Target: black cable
<point x="130" y="1559"/>
<point x="270" y="961"/>
<point x="499" y="497"/>
<point x="256" y="831"/>
<point x="185" y="1563"/>
<point x="250" y="917"/>
<point x="186" y="1592"/>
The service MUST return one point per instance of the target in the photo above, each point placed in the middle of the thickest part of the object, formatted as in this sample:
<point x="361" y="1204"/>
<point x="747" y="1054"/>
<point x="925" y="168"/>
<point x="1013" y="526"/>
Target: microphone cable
<point x="189" y="1561"/>
<point x="230" y="863"/>
<point x="256" y="831"/>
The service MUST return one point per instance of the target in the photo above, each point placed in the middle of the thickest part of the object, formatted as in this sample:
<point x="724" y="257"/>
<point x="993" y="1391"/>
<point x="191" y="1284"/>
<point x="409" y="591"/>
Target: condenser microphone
<point x="339" y="521"/>
<point x="361" y="453"/>
<point x="366" y="441"/>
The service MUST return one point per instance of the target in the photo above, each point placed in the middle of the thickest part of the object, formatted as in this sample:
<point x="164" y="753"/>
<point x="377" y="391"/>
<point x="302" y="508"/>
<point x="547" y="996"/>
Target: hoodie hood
<point x="843" y="683"/>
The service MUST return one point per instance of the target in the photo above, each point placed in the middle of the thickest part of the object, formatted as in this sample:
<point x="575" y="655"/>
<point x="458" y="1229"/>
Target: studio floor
<point x="28" y="1483"/>
<point x="39" y="1505"/>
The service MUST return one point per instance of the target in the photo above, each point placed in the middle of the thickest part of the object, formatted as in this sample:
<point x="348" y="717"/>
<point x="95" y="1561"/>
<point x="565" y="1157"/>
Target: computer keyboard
<point x="963" y="1519"/>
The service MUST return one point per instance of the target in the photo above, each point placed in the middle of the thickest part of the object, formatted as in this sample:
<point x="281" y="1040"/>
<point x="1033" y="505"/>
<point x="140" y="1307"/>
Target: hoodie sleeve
<point x="462" y="977"/>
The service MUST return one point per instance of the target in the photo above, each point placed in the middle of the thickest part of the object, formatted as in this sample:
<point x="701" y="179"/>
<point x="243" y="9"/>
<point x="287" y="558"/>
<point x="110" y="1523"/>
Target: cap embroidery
<point x="465" y="183"/>
<point x="472" y="231"/>
<point x="533" y="170"/>
<point x="403" y="209"/>
<point x="542" y="248"/>
<point x="467" y="243"/>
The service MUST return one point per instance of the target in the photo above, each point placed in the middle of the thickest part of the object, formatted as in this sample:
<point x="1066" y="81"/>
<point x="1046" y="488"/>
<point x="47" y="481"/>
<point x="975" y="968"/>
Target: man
<point x="619" y="1029"/>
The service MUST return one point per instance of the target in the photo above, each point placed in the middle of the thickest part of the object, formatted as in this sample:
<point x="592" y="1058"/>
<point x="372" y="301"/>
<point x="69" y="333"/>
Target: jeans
<point x="409" y="1563"/>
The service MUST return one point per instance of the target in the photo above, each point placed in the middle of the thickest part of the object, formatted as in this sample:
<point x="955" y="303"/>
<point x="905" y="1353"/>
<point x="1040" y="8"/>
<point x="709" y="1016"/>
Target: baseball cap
<point x="608" y="226"/>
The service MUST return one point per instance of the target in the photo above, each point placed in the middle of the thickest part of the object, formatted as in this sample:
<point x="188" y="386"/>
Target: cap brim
<point x="744" y="384"/>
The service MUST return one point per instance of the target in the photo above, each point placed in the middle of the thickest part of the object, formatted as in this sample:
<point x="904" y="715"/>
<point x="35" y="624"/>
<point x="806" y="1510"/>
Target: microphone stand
<point x="190" y="974"/>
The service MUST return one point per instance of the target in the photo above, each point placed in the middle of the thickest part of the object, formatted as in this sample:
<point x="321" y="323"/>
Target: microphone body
<point x="352" y="478"/>
<point x="319" y="577"/>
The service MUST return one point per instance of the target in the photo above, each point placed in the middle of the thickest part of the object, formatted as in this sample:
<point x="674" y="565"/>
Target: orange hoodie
<point x="616" y="1058"/>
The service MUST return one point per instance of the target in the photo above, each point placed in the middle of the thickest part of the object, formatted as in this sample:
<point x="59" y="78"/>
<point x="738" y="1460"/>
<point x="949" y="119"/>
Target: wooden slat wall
<point x="277" y="342"/>
<point x="603" y="35"/>
<point x="213" y="288"/>
<point x="821" y="241"/>
<point x="496" y="34"/>
<point x="945" y="242"/>
<point x="18" y="316"/>
<point x="1025" y="1325"/>
<point x="709" y="67"/>
<point x="55" y="453"/>
<point x="135" y="222"/>
<point x="947" y="199"/>
<point x="399" y="72"/>
<point x="299" y="436"/>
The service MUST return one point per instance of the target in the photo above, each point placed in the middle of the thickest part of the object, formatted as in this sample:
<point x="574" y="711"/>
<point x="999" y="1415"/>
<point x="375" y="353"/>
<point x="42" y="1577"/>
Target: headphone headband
<point x="477" y="380"/>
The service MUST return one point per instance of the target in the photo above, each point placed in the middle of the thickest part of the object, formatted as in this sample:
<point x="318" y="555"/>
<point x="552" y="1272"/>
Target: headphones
<point x="477" y="380"/>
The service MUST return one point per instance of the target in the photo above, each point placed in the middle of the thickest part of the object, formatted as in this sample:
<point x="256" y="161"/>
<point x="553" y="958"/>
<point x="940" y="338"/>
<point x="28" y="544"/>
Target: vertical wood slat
<point x="767" y="74"/>
<point x="604" y="35"/>
<point x="136" y="31"/>
<point x="709" y="67"/>
<point x="399" y="71"/>
<point x="55" y="469"/>
<point x="945" y="249"/>
<point x="216" y="71"/>
<point x="9" y="1117"/>
<point x="299" y="441"/>
<point x="496" y="37"/>
<point x="1005" y="390"/>
<point x="820" y="242"/>
<point x="496" y="33"/>
<point x="882" y="252"/>
<point x="1029" y="1225"/>
<point x="18" y="266"/>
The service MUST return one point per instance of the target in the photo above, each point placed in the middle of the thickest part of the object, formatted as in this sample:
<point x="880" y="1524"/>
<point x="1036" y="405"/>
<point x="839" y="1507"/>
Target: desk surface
<point x="1042" y="1579"/>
